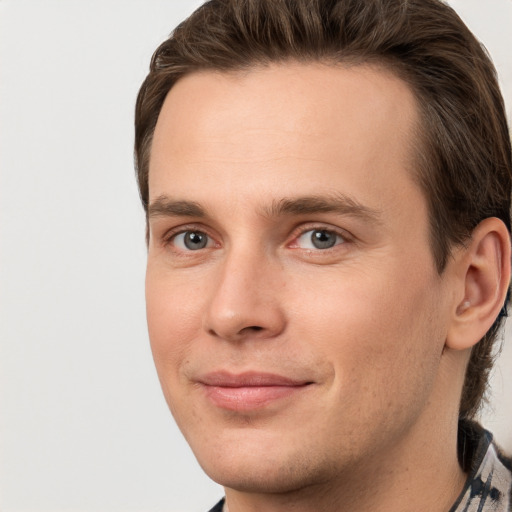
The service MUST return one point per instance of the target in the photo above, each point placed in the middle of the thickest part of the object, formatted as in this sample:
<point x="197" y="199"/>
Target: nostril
<point x="242" y="332"/>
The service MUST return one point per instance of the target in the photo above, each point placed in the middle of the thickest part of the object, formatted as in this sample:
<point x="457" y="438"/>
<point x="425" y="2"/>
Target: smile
<point x="249" y="391"/>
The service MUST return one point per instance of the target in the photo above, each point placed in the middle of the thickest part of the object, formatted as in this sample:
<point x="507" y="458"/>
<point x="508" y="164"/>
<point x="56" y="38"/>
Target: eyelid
<point x="319" y="226"/>
<point x="170" y="234"/>
<point x="296" y="233"/>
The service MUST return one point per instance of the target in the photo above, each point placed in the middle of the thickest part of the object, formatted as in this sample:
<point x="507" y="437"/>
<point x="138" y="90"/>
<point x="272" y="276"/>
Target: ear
<point x="483" y="268"/>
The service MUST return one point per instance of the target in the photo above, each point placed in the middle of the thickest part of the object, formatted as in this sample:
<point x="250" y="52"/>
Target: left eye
<point x="191" y="240"/>
<point x="319" y="239"/>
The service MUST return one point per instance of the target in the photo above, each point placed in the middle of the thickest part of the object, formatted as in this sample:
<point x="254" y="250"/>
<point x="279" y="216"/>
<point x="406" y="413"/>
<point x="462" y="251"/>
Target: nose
<point x="246" y="302"/>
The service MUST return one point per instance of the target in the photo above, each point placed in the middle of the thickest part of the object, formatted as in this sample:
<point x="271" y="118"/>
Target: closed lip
<point x="249" y="379"/>
<point x="249" y="391"/>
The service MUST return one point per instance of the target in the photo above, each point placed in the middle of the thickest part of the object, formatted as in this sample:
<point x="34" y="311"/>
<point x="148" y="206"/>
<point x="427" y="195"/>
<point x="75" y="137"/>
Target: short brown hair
<point x="463" y="154"/>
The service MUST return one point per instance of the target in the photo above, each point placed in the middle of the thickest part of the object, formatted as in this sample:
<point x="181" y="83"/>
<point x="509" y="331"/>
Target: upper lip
<point x="248" y="379"/>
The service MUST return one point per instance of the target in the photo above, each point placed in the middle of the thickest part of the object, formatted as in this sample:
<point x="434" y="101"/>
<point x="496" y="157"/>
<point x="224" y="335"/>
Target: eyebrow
<point x="164" y="206"/>
<point x="337" y="203"/>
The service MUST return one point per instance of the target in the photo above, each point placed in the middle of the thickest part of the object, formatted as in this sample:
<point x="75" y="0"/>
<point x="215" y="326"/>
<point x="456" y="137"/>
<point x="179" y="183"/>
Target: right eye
<point x="191" y="240"/>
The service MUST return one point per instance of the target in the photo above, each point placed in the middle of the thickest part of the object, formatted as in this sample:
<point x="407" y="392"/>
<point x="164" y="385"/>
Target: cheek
<point x="378" y="332"/>
<point x="173" y="316"/>
<point x="174" y="321"/>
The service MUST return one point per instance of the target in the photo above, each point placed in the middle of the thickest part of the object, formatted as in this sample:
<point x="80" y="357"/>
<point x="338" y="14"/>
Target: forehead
<point x="271" y="125"/>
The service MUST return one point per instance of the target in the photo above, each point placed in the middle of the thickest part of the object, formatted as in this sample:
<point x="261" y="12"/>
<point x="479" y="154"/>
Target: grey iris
<point x="323" y="239"/>
<point x="195" y="240"/>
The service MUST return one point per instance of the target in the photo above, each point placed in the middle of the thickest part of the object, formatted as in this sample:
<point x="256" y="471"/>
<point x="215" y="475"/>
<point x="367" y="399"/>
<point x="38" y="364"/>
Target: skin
<point x="366" y="323"/>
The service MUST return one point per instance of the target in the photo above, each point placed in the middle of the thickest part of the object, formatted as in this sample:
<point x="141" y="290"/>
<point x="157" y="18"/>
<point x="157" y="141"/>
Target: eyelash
<point x="304" y="229"/>
<point x="297" y="233"/>
<point x="171" y="235"/>
<point x="338" y="236"/>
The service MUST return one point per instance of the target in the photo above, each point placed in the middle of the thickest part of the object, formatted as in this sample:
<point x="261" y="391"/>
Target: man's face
<point x="295" y="314"/>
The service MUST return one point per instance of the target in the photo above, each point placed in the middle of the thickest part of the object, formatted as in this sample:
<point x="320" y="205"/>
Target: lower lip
<point x="250" y="397"/>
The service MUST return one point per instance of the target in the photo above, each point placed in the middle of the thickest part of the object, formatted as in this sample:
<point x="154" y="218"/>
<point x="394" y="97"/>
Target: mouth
<point x="250" y="390"/>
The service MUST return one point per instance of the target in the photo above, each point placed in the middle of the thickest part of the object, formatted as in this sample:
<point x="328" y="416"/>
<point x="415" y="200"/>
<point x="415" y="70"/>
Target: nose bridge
<point x="245" y="301"/>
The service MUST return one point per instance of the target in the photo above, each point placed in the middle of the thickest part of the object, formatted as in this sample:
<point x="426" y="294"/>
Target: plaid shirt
<point x="489" y="484"/>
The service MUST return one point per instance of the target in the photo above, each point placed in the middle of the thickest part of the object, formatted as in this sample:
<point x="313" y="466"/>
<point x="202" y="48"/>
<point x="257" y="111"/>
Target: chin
<point x="263" y="479"/>
<point x="267" y="469"/>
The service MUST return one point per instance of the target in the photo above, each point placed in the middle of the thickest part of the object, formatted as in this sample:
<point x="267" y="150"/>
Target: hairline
<point x="419" y="164"/>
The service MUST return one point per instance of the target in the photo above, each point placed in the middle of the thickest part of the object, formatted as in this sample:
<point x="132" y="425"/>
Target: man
<point x="327" y="188"/>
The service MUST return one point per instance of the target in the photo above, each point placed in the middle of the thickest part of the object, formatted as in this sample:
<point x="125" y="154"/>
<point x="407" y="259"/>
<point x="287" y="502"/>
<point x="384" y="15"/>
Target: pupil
<point x="323" y="239"/>
<point x="195" y="240"/>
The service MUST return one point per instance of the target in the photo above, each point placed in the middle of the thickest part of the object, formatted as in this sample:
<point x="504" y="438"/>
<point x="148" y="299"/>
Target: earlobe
<point x="485" y="276"/>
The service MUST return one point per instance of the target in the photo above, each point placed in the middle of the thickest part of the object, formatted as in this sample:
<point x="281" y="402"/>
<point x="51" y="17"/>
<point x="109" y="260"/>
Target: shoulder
<point x="489" y="484"/>
<point x="219" y="507"/>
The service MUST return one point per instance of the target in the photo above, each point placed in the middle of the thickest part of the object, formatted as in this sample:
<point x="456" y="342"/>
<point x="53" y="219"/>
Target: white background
<point x="83" y="425"/>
